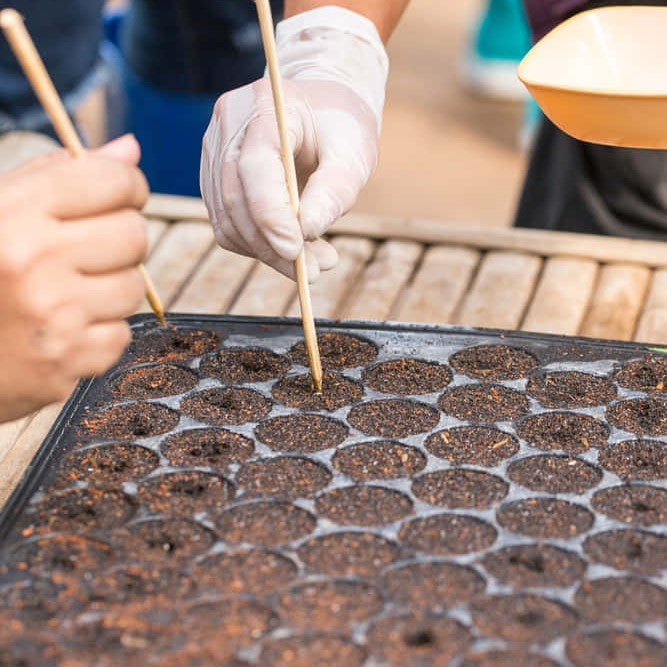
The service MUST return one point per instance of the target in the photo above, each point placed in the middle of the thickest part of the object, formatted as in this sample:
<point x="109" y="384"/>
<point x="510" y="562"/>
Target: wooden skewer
<point x="33" y="67"/>
<point x="269" y="41"/>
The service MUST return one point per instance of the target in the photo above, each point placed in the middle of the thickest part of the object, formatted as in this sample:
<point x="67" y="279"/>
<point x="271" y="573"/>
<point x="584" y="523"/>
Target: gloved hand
<point x="334" y="70"/>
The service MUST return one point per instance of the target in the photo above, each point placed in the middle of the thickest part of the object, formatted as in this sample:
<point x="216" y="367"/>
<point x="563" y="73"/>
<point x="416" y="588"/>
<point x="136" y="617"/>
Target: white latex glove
<point x="334" y="69"/>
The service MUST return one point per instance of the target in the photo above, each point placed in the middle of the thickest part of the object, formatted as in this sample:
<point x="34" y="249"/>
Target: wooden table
<point x="404" y="270"/>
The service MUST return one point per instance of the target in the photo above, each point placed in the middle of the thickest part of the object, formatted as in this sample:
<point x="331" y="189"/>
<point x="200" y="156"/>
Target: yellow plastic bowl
<point x="601" y="76"/>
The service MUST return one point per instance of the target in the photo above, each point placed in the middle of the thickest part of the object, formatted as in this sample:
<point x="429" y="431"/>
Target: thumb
<point x="125" y="148"/>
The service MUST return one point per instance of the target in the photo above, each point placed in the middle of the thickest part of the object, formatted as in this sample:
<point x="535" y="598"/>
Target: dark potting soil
<point x="126" y="422"/>
<point x="476" y="445"/>
<point x="382" y="459"/>
<point x="640" y="460"/>
<point x="570" y="389"/>
<point x="337" y="351"/>
<point x="301" y="433"/>
<point x="240" y="365"/>
<point x="554" y="474"/>
<point x="296" y="391"/>
<point x="637" y="504"/>
<point x="534" y="566"/>
<point x="494" y="362"/>
<point x="41" y="599"/>
<point x="635" y="551"/>
<point x="570" y="432"/>
<point x="431" y="585"/>
<point x="207" y="447"/>
<point x="284" y="477"/>
<point x="153" y="382"/>
<point x="648" y="374"/>
<point x="641" y="416"/>
<point x="363" y="505"/>
<point x="407" y="377"/>
<point x="197" y="657"/>
<point x="308" y="650"/>
<point x="483" y="403"/>
<point x="510" y="658"/>
<point x="229" y="406"/>
<point x="167" y="344"/>
<point x="621" y="599"/>
<point x="544" y="518"/>
<point x="393" y="418"/>
<point x="460" y="488"/>
<point x="614" y="648"/>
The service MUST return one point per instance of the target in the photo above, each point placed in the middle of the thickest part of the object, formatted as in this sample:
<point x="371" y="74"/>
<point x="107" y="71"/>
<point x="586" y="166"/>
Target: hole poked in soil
<point x="571" y="389"/>
<point x="460" y="488"/>
<point x="168" y="344"/>
<point x="643" y="460"/>
<point x="296" y="391"/>
<point x="648" y="374"/>
<point x="483" y="403"/>
<point x="153" y="382"/>
<point x="510" y="658"/>
<point x="635" y="551"/>
<point x="207" y="447"/>
<point x="229" y="406"/>
<point x="329" y="606"/>
<point x="447" y="534"/>
<point x="363" y="505"/>
<point x="284" y="477"/>
<point x="126" y="422"/>
<point x="383" y="459"/>
<point x="348" y="554"/>
<point x="185" y="492"/>
<point x="642" y="416"/>
<point x="614" y="648"/>
<point x="250" y="572"/>
<point x="337" y="351"/>
<point x="570" y="432"/>
<point x="534" y="566"/>
<point x="636" y="504"/>
<point x="241" y="365"/>
<point x="407" y="376"/>
<point x="628" y="599"/>
<point x="524" y="618"/>
<point x="494" y="362"/>
<point x="432" y="585"/>
<point x="477" y="445"/>
<point x="303" y="434"/>
<point x="393" y="418"/>
<point x="418" y="639"/>
<point x="554" y="474"/>
<point x="307" y="651"/>
<point x="545" y="517"/>
<point x="265" y="523"/>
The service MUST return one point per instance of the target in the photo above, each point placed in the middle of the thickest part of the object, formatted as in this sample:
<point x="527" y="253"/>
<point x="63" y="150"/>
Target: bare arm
<point x="385" y="14"/>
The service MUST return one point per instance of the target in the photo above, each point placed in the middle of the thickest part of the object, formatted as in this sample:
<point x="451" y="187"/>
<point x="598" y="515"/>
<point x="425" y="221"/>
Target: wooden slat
<point x="652" y="327"/>
<point x="266" y="292"/>
<point x="501" y="291"/>
<point x="438" y="286"/>
<point x="562" y="296"/>
<point x="382" y="281"/>
<point x="9" y="433"/>
<point x="329" y="293"/>
<point x="155" y="229"/>
<point x="175" y="208"/>
<point x="215" y="283"/>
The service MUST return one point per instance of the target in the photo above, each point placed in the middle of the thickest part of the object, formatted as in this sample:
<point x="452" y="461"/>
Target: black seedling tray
<point x="460" y="498"/>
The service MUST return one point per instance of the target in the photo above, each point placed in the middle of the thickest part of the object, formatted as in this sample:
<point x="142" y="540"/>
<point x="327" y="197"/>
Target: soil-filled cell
<point x="348" y="554"/>
<point x="545" y="518"/>
<point x="510" y="658"/>
<point x="460" y="488"/>
<point x="153" y="382"/>
<point x="302" y="434"/>
<point x="422" y="640"/>
<point x="432" y="585"/>
<point x="405" y="377"/>
<point x="229" y="406"/>
<point x="307" y="651"/>
<point x="267" y="523"/>
<point x="635" y="551"/>
<point x="641" y="460"/>
<point x="126" y="422"/>
<point x="615" y="648"/>
<point x="523" y="618"/>
<point x="284" y="477"/>
<point x="554" y="474"/>
<point x="641" y="416"/>
<point x="170" y="344"/>
<point x="648" y="374"/>
<point x="241" y="365"/>
<point x="207" y="448"/>
<point x="447" y="534"/>
<point x="483" y="403"/>
<point x="337" y="351"/>
<point x="296" y="391"/>
<point x="534" y="566"/>
<point x="494" y="362"/>
<point x="476" y="445"/>
<point x="185" y="492"/>
<point x="570" y="432"/>
<point x="571" y="389"/>
<point x="639" y="505"/>
<point x="622" y="599"/>
<point x="40" y="599"/>
<point x="382" y="459"/>
<point x="363" y="505"/>
<point x="393" y="418"/>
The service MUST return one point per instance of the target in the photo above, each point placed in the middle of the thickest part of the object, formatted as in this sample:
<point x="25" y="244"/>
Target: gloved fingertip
<point x="316" y="216"/>
<point x="327" y="257"/>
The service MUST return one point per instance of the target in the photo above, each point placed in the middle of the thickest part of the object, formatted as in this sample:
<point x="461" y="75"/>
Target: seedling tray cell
<point x="456" y="498"/>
